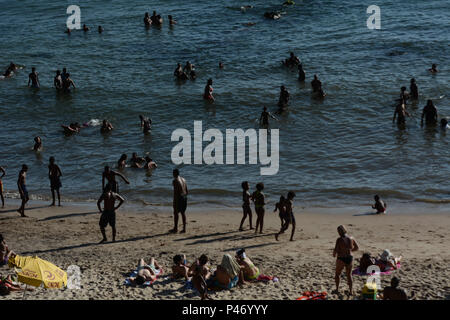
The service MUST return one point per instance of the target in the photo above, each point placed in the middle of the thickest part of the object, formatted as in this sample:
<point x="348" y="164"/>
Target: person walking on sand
<point x="21" y="184"/>
<point x="3" y="173"/>
<point x="259" y="200"/>
<point x="246" y="205"/>
<point x="54" y="174"/>
<point x="109" y="211"/>
<point x="343" y="249"/>
<point x="289" y="216"/>
<point x="180" y="193"/>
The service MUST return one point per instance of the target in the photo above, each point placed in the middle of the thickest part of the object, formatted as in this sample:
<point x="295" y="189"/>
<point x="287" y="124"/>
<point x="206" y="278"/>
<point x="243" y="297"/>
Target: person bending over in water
<point x="264" y="118"/>
<point x="149" y="163"/>
<point x="21" y="184"/>
<point x="109" y="211"/>
<point x="284" y="97"/>
<point x="146" y="272"/>
<point x="3" y="173"/>
<point x="246" y="205"/>
<point x="106" y="126"/>
<point x="430" y="114"/>
<point x="207" y="93"/>
<point x="259" y="200"/>
<point x="250" y="271"/>
<point x="122" y="162"/>
<point x="379" y="205"/>
<point x="37" y="144"/>
<point x="171" y="21"/>
<point x="401" y="113"/>
<point x="147" y="20"/>
<point x="433" y="69"/>
<point x="394" y="292"/>
<point x="414" y="90"/>
<point x="180" y="268"/>
<point x="33" y="78"/>
<point x="110" y="176"/>
<point x="343" y="249"/>
<point x="289" y="216"/>
<point x="57" y="81"/>
<point x="54" y="174"/>
<point x="301" y="73"/>
<point x="180" y="192"/>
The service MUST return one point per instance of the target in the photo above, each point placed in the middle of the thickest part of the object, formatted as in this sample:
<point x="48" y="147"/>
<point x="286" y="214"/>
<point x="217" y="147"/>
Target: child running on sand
<point x="379" y="205"/>
<point x="246" y="205"/>
<point x="259" y="200"/>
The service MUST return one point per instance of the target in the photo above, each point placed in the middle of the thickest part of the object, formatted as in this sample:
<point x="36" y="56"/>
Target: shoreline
<point x="69" y="235"/>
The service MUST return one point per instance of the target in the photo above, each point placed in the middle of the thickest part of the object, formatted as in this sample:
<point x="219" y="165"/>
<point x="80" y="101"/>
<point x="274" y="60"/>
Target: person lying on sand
<point x="228" y="274"/>
<point x="387" y="261"/>
<point x="394" y="292"/>
<point x="343" y="249"/>
<point x="146" y="272"/>
<point x="5" y="253"/>
<point x="180" y="268"/>
<point x="366" y="261"/>
<point x="379" y="205"/>
<point x="250" y="271"/>
<point x="7" y="286"/>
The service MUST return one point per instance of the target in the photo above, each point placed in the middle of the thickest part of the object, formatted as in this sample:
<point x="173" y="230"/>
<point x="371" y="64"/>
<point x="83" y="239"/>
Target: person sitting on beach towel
<point x="366" y="261"/>
<point x="146" y="272"/>
<point x="228" y="273"/>
<point x="251" y="272"/>
<point x="387" y="261"/>
<point x="180" y="268"/>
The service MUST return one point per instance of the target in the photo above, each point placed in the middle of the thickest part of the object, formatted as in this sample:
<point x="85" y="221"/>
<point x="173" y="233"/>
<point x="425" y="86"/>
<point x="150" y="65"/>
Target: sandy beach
<point x="69" y="236"/>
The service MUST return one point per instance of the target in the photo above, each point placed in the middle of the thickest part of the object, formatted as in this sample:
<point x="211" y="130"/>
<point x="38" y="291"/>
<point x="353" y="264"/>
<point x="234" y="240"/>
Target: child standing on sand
<point x="259" y="200"/>
<point x="379" y="205"/>
<point x="246" y="205"/>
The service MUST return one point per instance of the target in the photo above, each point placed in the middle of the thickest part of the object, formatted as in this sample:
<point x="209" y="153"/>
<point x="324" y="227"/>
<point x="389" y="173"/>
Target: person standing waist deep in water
<point x="180" y="193"/>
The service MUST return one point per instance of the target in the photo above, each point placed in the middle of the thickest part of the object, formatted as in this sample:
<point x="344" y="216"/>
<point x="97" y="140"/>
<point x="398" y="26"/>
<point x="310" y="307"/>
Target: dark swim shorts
<point x="180" y="204"/>
<point x="108" y="217"/>
<point x="55" y="183"/>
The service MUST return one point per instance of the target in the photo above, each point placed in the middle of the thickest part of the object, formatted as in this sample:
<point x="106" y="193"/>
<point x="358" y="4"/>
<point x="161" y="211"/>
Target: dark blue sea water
<point x="339" y="151"/>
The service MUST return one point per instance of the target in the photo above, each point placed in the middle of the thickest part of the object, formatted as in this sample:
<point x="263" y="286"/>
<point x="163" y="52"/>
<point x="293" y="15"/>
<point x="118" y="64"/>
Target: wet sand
<point x="69" y="236"/>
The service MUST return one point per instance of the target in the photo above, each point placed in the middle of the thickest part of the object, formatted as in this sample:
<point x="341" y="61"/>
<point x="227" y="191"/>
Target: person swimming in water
<point x="135" y="161"/>
<point x="149" y="163"/>
<point x="85" y="28"/>
<point x="171" y="21"/>
<point x="247" y="210"/>
<point x="430" y="114"/>
<point x="400" y="113"/>
<point x="67" y="83"/>
<point x="284" y="97"/>
<point x="33" y="78"/>
<point x="57" y="81"/>
<point x="122" y="162"/>
<point x="10" y="70"/>
<point x="433" y="69"/>
<point x="301" y="73"/>
<point x="37" y="144"/>
<point x="414" y="90"/>
<point x="292" y="60"/>
<point x="272" y="15"/>
<point x="147" y="20"/>
<point x="106" y="126"/>
<point x="207" y="93"/>
<point x="264" y="118"/>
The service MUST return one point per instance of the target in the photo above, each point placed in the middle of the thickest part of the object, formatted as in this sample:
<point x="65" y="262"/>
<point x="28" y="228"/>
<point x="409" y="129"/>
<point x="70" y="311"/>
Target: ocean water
<point x="336" y="152"/>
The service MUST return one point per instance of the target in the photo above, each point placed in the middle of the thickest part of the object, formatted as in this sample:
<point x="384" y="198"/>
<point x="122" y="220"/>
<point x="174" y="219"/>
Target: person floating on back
<point x="379" y="205"/>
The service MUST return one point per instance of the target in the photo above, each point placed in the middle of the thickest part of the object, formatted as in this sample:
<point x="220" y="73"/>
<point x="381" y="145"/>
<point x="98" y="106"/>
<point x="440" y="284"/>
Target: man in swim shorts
<point x="343" y="249"/>
<point x="54" y="174"/>
<point x="33" y="77"/>
<point x="109" y="212"/>
<point x="21" y="184"/>
<point x="180" y="193"/>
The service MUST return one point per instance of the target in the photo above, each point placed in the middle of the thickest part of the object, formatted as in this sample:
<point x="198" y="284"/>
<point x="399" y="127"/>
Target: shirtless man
<point x="67" y="83"/>
<point x="247" y="210"/>
<point x="316" y="84"/>
<point x="264" y="119"/>
<point x="85" y="28"/>
<point x="37" y="144"/>
<point x="251" y="272"/>
<point x="64" y="75"/>
<point x="433" y="69"/>
<point x="430" y="114"/>
<point x="414" y="90"/>
<point x="146" y="124"/>
<point x="394" y="292"/>
<point x="401" y="113"/>
<point x="301" y="73"/>
<point x="188" y="67"/>
<point x="379" y="205"/>
<point x="404" y="95"/>
<point x="33" y="78"/>
<point x="110" y="175"/>
<point x="289" y="216"/>
<point x="259" y="200"/>
<point x="109" y="211"/>
<point x="57" y="81"/>
<point x="178" y="70"/>
<point x="3" y="173"/>
<point x="284" y="97"/>
<point x="54" y="174"/>
<point x="150" y="164"/>
<point x="292" y="60"/>
<point x="343" y="249"/>
<point x="21" y="184"/>
<point x="180" y="193"/>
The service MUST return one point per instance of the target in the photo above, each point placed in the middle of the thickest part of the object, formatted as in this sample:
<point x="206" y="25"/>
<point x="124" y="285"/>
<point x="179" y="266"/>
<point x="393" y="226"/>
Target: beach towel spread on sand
<point x="356" y="272"/>
<point x="313" y="295"/>
<point x="158" y="273"/>
<point x="265" y="278"/>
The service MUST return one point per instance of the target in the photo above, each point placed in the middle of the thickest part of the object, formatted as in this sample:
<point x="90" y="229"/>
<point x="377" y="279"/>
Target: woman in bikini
<point x="251" y="272"/>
